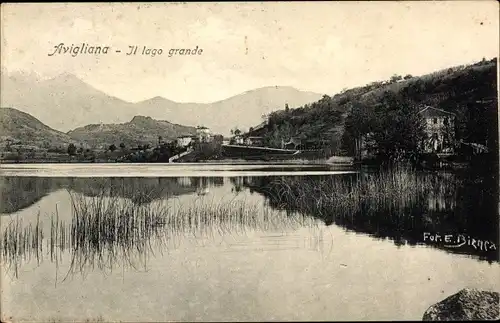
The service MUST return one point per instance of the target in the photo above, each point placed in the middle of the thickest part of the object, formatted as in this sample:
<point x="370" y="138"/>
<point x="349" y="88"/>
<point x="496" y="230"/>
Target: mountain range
<point x="140" y="130"/>
<point x="21" y="128"/>
<point x="66" y="103"/>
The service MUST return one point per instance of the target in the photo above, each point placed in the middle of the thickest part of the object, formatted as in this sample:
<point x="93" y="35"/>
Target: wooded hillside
<point x="468" y="91"/>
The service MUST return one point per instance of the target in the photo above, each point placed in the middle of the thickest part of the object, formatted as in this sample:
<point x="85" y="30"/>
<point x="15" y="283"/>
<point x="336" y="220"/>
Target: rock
<point x="467" y="304"/>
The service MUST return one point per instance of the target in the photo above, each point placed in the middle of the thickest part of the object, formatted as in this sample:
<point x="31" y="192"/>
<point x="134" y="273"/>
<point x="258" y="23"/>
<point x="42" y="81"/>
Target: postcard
<point x="249" y="161"/>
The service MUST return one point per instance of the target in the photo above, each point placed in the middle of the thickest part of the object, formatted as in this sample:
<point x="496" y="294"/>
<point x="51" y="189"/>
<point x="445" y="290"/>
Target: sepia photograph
<point x="249" y="161"/>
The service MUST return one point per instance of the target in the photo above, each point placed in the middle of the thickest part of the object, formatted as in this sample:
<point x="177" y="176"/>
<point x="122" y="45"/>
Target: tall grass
<point x="392" y="191"/>
<point x="21" y="242"/>
<point x="105" y="231"/>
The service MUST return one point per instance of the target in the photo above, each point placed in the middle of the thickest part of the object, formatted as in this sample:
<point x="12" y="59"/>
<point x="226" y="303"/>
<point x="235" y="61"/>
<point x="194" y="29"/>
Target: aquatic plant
<point x="105" y="231"/>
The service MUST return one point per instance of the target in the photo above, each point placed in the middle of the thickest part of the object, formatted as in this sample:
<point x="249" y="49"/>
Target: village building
<point x="439" y="129"/>
<point x="184" y="141"/>
<point x="254" y="141"/>
<point x="204" y="134"/>
<point x="238" y="140"/>
<point x="259" y="129"/>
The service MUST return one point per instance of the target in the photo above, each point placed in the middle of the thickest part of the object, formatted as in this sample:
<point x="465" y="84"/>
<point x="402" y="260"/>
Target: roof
<point x="260" y="125"/>
<point x="431" y="111"/>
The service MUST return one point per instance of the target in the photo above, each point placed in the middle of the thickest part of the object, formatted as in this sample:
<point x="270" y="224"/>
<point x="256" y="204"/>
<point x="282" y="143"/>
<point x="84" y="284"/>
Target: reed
<point x="105" y="231"/>
<point x="393" y="190"/>
<point x="21" y="242"/>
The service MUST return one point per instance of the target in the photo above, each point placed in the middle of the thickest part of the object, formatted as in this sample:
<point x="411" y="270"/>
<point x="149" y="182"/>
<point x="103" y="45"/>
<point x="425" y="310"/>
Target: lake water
<point x="240" y="242"/>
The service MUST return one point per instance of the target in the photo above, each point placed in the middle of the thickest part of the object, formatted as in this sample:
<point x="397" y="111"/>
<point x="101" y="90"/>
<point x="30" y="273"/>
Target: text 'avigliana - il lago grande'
<point x="139" y="50"/>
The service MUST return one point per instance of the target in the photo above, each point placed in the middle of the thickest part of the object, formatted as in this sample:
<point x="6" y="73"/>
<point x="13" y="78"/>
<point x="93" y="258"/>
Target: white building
<point x="184" y="141"/>
<point x="254" y="141"/>
<point x="204" y="134"/>
<point x="238" y="140"/>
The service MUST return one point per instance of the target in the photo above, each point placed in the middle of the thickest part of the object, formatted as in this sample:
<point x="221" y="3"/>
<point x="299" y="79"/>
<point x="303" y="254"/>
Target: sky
<point x="322" y="47"/>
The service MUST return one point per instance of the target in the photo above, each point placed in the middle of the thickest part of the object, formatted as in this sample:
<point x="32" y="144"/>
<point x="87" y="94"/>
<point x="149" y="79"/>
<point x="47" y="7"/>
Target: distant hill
<point x="243" y="110"/>
<point x="140" y="130"/>
<point x="21" y="128"/>
<point x="469" y="91"/>
<point x="66" y="102"/>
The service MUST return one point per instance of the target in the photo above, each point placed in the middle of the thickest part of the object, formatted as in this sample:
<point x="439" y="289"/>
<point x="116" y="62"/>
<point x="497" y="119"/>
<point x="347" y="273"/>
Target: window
<point x="445" y="121"/>
<point x="435" y="120"/>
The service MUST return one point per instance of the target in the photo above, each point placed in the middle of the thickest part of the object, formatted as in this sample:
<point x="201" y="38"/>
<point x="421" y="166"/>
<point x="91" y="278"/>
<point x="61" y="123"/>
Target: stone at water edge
<point x="467" y="304"/>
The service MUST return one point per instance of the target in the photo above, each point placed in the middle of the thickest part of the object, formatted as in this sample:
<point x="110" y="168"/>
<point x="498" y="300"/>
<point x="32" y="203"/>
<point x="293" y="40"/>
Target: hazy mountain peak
<point x="20" y="75"/>
<point x="279" y="87"/>
<point x="67" y="77"/>
<point x="138" y="118"/>
<point x="272" y="88"/>
<point x="156" y="100"/>
<point x="66" y="102"/>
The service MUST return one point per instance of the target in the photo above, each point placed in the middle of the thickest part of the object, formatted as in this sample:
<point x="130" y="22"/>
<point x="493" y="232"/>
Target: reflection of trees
<point x="20" y="192"/>
<point x="17" y="193"/>
<point x="398" y="209"/>
<point x="138" y="190"/>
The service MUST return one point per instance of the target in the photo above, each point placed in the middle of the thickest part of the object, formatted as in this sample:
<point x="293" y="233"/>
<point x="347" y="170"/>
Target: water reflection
<point x="128" y="220"/>
<point x="105" y="230"/>
<point x="398" y="207"/>
<point x="21" y="192"/>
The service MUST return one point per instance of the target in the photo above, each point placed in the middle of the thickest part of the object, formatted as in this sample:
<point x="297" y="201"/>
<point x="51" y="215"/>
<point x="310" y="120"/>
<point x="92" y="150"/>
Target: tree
<point x="112" y="148"/>
<point x="396" y="78"/>
<point x="398" y="129"/>
<point x="160" y="139"/>
<point x="71" y="149"/>
<point x="408" y="76"/>
<point x="394" y="127"/>
<point x="80" y="150"/>
<point x="122" y="146"/>
<point x="358" y="124"/>
<point x="287" y="108"/>
<point x="237" y="132"/>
